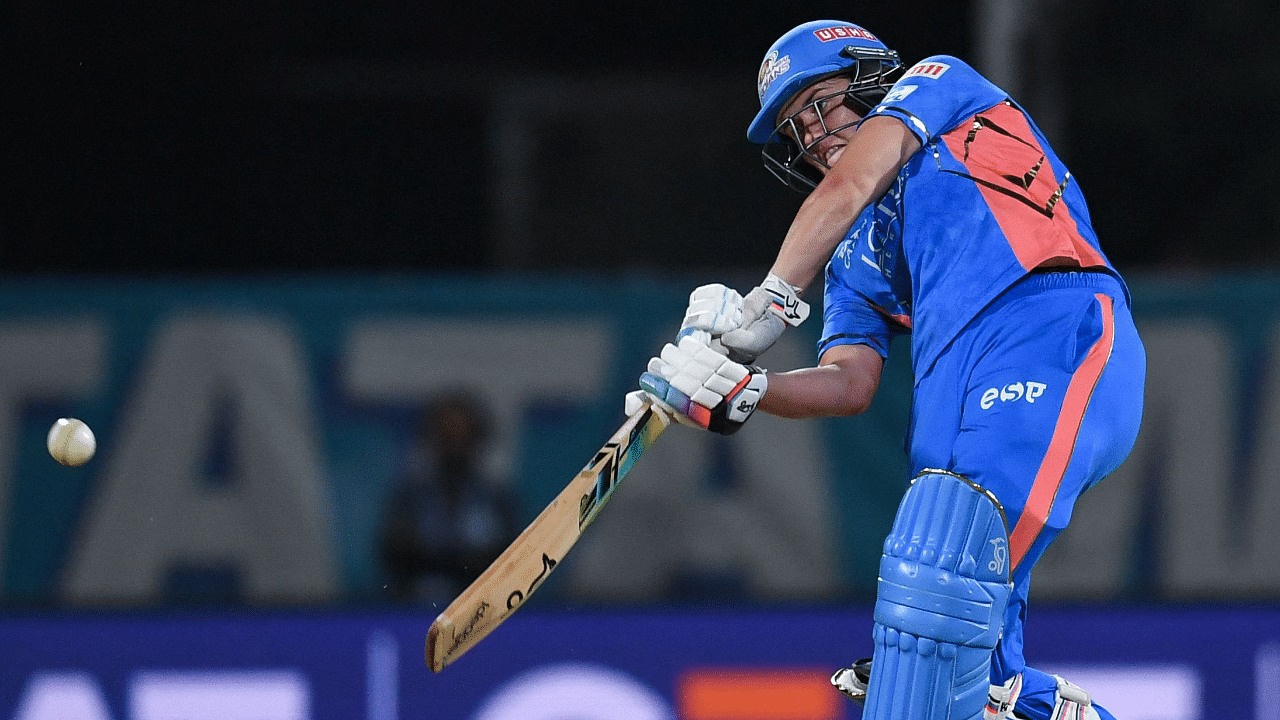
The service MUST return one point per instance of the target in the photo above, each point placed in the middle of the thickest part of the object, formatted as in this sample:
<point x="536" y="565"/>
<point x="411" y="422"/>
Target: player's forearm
<point x="865" y="170"/>
<point x="820" y="224"/>
<point x="822" y="391"/>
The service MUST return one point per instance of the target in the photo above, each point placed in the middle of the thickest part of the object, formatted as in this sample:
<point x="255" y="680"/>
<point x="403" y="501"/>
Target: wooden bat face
<point x="525" y="564"/>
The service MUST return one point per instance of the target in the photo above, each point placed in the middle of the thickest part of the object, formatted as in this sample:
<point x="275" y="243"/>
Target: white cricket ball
<point x="71" y="442"/>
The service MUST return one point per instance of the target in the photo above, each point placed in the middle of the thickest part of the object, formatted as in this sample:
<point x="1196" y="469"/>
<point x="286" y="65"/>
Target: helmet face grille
<point x="789" y="157"/>
<point x="783" y="158"/>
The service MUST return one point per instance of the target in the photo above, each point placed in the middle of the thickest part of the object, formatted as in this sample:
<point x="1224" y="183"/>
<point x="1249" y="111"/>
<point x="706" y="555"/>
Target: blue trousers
<point x="1037" y="400"/>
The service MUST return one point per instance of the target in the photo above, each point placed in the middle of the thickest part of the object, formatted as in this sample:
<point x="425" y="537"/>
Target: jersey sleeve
<point x="851" y="317"/>
<point x="936" y="95"/>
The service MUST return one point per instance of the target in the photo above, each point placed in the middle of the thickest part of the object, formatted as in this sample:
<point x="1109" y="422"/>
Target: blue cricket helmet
<point x="804" y="55"/>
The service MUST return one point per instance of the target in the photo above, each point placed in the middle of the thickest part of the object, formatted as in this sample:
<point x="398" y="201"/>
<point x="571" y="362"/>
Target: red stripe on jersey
<point x="1061" y="446"/>
<point x="1012" y="171"/>
<point x="903" y="320"/>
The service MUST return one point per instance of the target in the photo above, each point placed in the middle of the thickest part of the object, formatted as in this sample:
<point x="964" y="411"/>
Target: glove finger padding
<point x="706" y="387"/>
<point x="675" y="379"/>
<point x="704" y="337"/>
<point x="675" y="403"/>
<point x="714" y="308"/>
<point x="694" y="369"/>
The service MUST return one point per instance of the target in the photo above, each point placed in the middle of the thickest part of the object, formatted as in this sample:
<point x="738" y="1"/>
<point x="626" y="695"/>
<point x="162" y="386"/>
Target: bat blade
<point x="522" y="568"/>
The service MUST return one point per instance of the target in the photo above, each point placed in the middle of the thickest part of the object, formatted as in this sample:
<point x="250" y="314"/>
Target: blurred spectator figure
<point x="446" y="521"/>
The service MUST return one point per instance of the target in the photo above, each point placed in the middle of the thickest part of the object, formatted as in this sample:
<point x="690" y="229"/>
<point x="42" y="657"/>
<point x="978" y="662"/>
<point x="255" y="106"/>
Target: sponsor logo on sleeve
<point x="899" y="93"/>
<point x="932" y="70"/>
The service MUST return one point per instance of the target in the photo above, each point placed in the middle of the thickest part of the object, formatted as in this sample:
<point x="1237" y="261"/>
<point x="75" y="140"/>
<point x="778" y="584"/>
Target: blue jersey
<point x="983" y="202"/>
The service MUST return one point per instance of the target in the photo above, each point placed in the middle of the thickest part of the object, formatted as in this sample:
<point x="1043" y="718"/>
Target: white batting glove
<point x="766" y="312"/>
<point x="636" y="398"/>
<point x="714" y="308"/>
<point x="704" y="387"/>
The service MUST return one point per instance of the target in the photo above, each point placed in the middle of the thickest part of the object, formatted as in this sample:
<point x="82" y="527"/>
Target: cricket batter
<point x="940" y="213"/>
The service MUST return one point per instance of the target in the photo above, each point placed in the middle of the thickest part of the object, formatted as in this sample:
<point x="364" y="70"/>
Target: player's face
<point x="819" y="118"/>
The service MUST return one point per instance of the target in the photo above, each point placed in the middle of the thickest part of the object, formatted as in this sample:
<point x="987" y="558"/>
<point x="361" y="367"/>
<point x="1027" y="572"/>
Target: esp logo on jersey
<point x="771" y="69"/>
<point x="1012" y="393"/>
<point x="843" y="32"/>
<point x="931" y="70"/>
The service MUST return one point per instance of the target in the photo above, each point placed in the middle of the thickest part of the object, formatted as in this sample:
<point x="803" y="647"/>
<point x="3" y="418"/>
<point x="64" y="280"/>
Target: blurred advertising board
<point x="625" y="664"/>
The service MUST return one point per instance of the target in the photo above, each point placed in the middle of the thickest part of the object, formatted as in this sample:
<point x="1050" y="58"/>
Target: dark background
<point x="283" y="135"/>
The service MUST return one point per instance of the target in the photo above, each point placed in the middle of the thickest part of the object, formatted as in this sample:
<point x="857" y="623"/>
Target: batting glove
<point x="714" y="308"/>
<point x="702" y="387"/>
<point x="766" y="312"/>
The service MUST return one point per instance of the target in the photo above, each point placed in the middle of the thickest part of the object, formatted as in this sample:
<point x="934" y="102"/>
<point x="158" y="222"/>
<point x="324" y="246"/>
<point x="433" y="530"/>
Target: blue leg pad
<point x="940" y="602"/>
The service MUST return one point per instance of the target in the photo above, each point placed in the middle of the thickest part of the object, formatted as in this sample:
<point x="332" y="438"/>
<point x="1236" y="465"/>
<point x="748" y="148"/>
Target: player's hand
<point x="702" y="387"/>
<point x="766" y="312"/>
<point x="714" y="308"/>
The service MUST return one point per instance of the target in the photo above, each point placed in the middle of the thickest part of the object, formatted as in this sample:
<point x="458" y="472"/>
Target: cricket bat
<point x="509" y="581"/>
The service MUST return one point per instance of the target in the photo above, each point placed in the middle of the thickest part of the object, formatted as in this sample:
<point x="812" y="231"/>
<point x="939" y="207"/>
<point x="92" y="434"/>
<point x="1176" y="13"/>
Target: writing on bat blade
<point x="516" y="597"/>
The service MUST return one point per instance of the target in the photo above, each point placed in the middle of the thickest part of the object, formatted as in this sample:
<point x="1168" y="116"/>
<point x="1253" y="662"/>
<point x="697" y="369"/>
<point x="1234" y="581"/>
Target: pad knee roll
<point x="940" y="602"/>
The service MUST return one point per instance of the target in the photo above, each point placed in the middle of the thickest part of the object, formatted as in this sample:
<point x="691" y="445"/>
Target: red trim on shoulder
<point x="1001" y="152"/>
